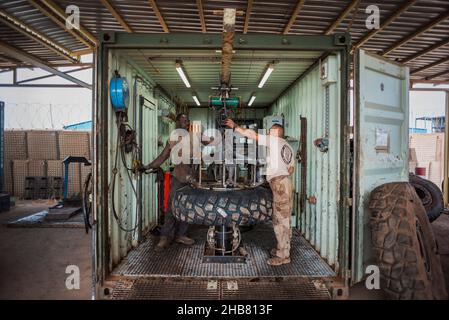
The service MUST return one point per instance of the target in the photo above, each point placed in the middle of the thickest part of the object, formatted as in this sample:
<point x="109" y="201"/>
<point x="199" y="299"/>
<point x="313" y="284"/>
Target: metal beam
<point x="446" y="155"/>
<point x="435" y="82"/>
<point x="159" y="15"/>
<point x="117" y="16"/>
<point x="214" y="41"/>
<point x="61" y="13"/>
<point x="52" y="75"/>
<point x="417" y="33"/>
<point x="61" y="24"/>
<point x="79" y="64"/>
<point x="435" y="64"/>
<point x="446" y="72"/>
<point x="82" y="52"/>
<point x="426" y="51"/>
<point x="405" y="6"/>
<point x="249" y="8"/>
<point x="428" y="89"/>
<point x="342" y="16"/>
<point x="37" y="62"/>
<point x="293" y="16"/>
<point x="35" y="35"/>
<point x="10" y="85"/>
<point x="199" y="4"/>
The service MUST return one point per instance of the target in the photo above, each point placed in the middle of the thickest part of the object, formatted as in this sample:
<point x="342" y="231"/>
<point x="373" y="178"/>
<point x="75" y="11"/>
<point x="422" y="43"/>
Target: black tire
<point x="430" y="195"/>
<point x="209" y="207"/>
<point x="404" y="245"/>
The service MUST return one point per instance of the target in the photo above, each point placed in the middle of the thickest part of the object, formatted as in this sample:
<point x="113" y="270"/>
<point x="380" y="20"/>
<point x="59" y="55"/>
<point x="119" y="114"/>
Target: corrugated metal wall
<point x="207" y="116"/>
<point x="307" y="98"/>
<point x="124" y="194"/>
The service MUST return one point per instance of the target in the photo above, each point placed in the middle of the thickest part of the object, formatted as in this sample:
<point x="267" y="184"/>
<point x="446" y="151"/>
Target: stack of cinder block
<point x="40" y="154"/>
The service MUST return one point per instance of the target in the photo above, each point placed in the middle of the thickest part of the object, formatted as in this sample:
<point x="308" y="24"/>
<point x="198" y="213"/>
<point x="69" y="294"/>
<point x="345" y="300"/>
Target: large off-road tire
<point x="404" y="245"/>
<point x="210" y="207"/>
<point x="430" y="195"/>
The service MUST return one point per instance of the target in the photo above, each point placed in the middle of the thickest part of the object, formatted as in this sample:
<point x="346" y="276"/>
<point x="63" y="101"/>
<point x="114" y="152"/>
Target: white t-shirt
<point x="279" y="156"/>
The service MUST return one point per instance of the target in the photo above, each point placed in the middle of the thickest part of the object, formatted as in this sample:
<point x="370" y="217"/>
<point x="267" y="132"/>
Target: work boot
<point x="184" y="240"/>
<point x="276" y="261"/>
<point x="162" y="244"/>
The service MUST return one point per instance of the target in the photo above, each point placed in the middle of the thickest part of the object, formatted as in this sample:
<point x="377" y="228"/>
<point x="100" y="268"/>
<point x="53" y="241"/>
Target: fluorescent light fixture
<point x="220" y="51"/>
<point x="268" y="72"/>
<point x="253" y="97"/>
<point x="195" y="98"/>
<point x="182" y="74"/>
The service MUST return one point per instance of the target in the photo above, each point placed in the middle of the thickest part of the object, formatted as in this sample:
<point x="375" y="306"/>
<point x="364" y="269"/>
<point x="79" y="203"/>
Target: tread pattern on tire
<point x="430" y="195"/>
<point x="208" y="207"/>
<point x="396" y="211"/>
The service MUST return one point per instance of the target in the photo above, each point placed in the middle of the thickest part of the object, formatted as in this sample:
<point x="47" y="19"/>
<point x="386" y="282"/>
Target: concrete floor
<point x="33" y="260"/>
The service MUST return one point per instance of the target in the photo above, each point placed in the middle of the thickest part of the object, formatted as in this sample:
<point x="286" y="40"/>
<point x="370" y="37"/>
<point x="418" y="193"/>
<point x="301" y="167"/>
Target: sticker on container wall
<point x="382" y="140"/>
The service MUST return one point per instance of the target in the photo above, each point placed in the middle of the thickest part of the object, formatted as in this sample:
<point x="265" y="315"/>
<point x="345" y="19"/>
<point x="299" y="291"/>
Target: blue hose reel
<point x="119" y="92"/>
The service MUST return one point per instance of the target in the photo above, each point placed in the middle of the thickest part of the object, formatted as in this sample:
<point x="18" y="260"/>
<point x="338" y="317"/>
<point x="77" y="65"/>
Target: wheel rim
<point x="423" y="194"/>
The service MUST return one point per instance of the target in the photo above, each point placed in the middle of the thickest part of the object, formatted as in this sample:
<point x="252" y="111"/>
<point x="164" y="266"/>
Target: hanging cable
<point x="119" y="149"/>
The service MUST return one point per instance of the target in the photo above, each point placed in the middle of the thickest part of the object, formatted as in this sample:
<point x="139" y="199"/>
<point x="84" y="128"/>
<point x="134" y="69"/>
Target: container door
<point x="380" y="142"/>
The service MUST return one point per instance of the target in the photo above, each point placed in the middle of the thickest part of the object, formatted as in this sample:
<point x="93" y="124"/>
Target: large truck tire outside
<point x="430" y="195"/>
<point x="244" y="207"/>
<point x="404" y="244"/>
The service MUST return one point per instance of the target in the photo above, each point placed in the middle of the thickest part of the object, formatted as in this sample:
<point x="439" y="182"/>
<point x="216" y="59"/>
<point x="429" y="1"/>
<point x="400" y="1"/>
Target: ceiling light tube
<point x="182" y="74"/>
<point x="268" y="72"/>
<point x="253" y="97"/>
<point x="195" y="98"/>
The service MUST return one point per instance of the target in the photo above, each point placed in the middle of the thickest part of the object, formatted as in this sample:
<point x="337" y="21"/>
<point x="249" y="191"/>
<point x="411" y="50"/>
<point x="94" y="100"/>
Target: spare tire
<point x="404" y="244"/>
<point x="430" y="195"/>
<point x="212" y="207"/>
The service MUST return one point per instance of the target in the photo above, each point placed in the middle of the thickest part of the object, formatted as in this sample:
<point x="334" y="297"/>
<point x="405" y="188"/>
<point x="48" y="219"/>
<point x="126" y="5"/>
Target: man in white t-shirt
<point x="280" y="165"/>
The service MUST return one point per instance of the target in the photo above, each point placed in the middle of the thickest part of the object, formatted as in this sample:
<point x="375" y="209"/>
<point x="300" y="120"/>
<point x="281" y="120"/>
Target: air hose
<point x="87" y="205"/>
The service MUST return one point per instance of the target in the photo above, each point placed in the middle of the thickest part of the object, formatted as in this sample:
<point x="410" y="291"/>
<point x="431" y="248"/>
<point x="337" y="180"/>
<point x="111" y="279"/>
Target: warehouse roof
<point x="415" y="32"/>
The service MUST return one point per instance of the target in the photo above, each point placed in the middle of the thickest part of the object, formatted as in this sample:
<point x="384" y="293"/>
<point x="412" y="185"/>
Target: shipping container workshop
<point x="309" y="91"/>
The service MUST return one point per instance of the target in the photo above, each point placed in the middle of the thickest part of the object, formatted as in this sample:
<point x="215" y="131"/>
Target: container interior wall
<point x="122" y="232"/>
<point x="319" y="102"/>
<point x="207" y="118"/>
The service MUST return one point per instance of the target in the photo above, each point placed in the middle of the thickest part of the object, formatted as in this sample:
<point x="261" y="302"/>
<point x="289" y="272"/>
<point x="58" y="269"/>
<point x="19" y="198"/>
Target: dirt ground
<point x="33" y="261"/>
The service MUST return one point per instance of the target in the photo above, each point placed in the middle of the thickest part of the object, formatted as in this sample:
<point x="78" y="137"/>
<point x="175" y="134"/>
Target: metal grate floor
<point x="182" y="289"/>
<point x="183" y="261"/>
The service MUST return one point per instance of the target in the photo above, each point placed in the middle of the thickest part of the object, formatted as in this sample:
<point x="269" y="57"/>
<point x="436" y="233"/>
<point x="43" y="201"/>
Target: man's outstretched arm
<point x="160" y="159"/>
<point x="251" y="134"/>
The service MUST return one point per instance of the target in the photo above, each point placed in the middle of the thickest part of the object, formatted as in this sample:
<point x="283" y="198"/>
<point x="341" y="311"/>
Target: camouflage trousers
<point x="282" y="188"/>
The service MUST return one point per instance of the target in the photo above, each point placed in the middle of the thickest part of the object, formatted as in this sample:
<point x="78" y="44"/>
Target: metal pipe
<point x="446" y="154"/>
<point x="140" y="186"/>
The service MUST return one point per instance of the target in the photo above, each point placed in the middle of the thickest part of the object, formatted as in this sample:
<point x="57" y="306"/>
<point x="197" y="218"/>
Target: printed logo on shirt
<point x="286" y="154"/>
